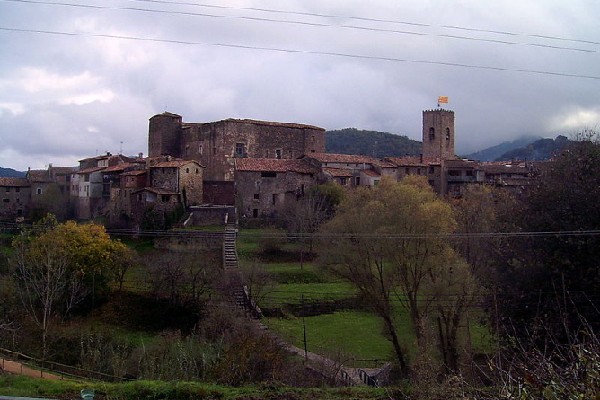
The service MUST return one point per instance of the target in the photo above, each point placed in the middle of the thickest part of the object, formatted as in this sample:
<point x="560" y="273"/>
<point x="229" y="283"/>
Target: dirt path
<point x="14" y="367"/>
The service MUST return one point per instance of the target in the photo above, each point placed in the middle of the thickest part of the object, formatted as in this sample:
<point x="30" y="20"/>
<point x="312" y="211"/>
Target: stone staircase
<point x="238" y="290"/>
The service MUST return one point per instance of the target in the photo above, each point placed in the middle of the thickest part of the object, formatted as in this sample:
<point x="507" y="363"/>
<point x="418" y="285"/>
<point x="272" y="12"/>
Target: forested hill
<point x="10" y="173"/>
<point x="370" y="143"/>
<point x="542" y="149"/>
<point x="495" y="152"/>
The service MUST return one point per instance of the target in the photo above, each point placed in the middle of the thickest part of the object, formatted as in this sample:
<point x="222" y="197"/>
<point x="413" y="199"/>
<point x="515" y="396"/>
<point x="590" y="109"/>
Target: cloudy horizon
<point x="84" y="77"/>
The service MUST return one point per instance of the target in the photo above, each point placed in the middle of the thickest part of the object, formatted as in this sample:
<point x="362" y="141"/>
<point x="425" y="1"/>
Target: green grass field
<point x="354" y="334"/>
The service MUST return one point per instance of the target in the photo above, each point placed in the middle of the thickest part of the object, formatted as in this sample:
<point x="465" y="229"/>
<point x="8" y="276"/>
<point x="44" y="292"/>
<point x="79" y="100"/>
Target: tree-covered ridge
<point x="539" y="150"/>
<point x="10" y="173"/>
<point x="370" y="143"/>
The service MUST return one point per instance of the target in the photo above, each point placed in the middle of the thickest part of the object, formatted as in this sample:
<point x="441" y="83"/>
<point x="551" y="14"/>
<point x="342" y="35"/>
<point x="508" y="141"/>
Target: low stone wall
<point x="210" y="215"/>
<point x="190" y="241"/>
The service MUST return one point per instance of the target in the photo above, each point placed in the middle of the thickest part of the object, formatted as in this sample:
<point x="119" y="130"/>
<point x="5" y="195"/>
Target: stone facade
<point x="217" y="144"/>
<point x="438" y="134"/>
<point x="265" y="187"/>
<point x="15" y="196"/>
<point x="179" y="176"/>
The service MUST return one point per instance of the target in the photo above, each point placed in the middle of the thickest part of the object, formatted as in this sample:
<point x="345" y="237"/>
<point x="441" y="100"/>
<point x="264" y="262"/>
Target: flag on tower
<point x="442" y="100"/>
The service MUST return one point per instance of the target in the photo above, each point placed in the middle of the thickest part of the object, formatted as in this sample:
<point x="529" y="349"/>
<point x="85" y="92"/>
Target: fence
<point x="49" y="369"/>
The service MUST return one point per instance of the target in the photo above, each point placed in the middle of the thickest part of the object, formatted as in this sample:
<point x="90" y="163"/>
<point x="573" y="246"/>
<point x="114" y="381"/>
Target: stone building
<point x="15" y="194"/>
<point x="265" y="187"/>
<point x="216" y="146"/>
<point x="347" y="169"/>
<point x="183" y="177"/>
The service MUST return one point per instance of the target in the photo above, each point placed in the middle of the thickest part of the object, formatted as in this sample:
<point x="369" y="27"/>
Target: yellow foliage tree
<point x="58" y="265"/>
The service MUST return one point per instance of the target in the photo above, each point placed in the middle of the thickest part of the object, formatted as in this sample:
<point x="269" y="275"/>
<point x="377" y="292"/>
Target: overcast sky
<point x="83" y="77"/>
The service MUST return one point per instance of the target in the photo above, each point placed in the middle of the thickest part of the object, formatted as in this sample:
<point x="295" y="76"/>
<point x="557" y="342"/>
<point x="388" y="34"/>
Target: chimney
<point x="140" y="155"/>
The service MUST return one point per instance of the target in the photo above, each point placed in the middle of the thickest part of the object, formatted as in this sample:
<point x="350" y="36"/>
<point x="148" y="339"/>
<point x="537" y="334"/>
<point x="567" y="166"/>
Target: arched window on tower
<point x="447" y="133"/>
<point x="431" y="134"/>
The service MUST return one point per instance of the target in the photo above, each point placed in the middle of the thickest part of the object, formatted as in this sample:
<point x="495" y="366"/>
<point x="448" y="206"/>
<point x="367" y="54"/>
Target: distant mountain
<point x="495" y="152"/>
<point x="542" y="149"/>
<point x="370" y="143"/>
<point x="10" y="173"/>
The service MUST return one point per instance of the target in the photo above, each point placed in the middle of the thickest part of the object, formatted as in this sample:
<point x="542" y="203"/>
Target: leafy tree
<point x="58" y="265"/>
<point x="389" y="242"/>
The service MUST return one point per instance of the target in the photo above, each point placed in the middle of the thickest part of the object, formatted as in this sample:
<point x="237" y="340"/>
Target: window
<point x="187" y="170"/>
<point x="278" y="154"/>
<point x="256" y="196"/>
<point x="407" y="171"/>
<point x="200" y="149"/>
<point x="431" y="169"/>
<point x="447" y="133"/>
<point x="274" y="199"/>
<point x="17" y="189"/>
<point x="268" y="174"/>
<point x="343" y="181"/>
<point x="38" y="191"/>
<point x="86" y="177"/>
<point x="6" y="200"/>
<point x="187" y="150"/>
<point x="7" y="189"/>
<point x="418" y="171"/>
<point x="255" y="213"/>
<point x="165" y="198"/>
<point x="376" y="182"/>
<point x="431" y="134"/>
<point x="454" y="172"/>
<point x="240" y="150"/>
<point x="197" y="171"/>
<point x="357" y="181"/>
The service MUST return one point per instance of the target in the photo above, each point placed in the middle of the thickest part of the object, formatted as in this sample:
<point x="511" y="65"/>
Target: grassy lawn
<point x="11" y="385"/>
<point x="353" y="335"/>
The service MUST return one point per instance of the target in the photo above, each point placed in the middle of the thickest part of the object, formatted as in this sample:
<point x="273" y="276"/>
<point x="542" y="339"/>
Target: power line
<point x="369" y="19"/>
<point x="321" y="25"/>
<point x="297" y="51"/>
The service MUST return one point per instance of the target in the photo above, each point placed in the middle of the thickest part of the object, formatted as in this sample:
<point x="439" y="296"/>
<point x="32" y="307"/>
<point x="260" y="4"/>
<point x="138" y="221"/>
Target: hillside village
<point x="258" y="167"/>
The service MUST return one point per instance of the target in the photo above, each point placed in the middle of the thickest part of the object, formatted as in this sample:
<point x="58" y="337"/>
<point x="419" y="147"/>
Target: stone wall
<point x="266" y="195"/>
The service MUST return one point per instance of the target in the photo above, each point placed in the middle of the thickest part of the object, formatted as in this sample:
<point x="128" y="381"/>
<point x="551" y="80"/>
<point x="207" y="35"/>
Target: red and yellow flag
<point x="442" y="99"/>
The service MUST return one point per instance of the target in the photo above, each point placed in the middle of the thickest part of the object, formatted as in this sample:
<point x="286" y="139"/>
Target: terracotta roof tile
<point x="371" y="172"/>
<point x="90" y="170"/>
<point x="413" y="161"/>
<point x="273" y="165"/>
<point x="14" y="182"/>
<point x="504" y="169"/>
<point x="256" y="122"/>
<point x="338" y="172"/>
<point x="175" y="164"/>
<point x="38" y="175"/>
<point x="155" y="190"/>
<point x="134" y="172"/>
<point x="459" y="163"/>
<point x="342" y="158"/>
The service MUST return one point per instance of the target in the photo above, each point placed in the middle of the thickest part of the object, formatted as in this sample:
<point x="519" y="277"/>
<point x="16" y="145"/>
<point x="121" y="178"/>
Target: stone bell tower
<point x="438" y="134"/>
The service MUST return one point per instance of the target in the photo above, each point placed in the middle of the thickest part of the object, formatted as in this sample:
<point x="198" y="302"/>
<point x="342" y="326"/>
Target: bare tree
<point x="389" y="242"/>
<point x="46" y="286"/>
